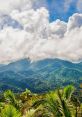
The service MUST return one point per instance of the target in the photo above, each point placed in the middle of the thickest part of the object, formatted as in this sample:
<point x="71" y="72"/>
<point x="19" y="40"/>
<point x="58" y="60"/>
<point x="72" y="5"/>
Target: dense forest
<point x="39" y="76"/>
<point x="62" y="102"/>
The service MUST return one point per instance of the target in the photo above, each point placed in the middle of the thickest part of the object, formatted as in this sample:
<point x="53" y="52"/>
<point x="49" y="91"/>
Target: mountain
<point x="39" y="76"/>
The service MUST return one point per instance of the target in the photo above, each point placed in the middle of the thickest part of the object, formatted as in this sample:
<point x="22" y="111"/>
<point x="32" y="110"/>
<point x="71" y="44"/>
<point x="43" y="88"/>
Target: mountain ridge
<point x="39" y="76"/>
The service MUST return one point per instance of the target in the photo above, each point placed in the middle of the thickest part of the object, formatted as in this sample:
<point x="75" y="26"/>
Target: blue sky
<point x="57" y="10"/>
<point x="61" y="9"/>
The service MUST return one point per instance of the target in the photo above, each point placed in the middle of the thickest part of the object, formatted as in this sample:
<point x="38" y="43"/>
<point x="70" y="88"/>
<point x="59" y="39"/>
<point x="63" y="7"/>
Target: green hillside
<point x="40" y="76"/>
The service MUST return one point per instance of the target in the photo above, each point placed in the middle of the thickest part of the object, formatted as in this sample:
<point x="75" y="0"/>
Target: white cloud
<point x="7" y="6"/>
<point x="40" y="39"/>
<point x="75" y="21"/>
<point x="58" y="28"/>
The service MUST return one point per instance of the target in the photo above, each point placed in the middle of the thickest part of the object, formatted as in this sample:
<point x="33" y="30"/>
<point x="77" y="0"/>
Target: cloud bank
<point x="26" y="32"/>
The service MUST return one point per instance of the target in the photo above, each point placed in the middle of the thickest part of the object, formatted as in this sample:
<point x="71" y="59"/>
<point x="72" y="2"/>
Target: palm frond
<point x="68" y="91"/>
<point x="10" y="111"/>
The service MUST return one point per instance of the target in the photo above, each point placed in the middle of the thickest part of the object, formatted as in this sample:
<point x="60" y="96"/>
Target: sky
<point x="40" y="29"/>
<point x="61" y="9"/>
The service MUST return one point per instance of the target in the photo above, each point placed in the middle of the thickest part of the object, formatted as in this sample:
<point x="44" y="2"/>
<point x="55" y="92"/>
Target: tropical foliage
<point x="59" y="103"/>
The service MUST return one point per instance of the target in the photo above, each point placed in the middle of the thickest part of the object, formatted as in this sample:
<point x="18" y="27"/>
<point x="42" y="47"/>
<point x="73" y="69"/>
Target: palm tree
<point x="58" y="102"/>
<point x="10" y="98"/>
<point x="2" y="104"/>
<point x="26" y="98"/>
<point x="26" y="95"/>
<point x="76" y="104"/>
<point x="10" y="111"/>
<point x="30" y="113"/>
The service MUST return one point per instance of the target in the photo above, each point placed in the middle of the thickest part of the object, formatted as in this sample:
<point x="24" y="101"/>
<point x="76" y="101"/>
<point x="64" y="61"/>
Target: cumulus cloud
<point x="38" y="38"/>
<point x="7" y="6"/>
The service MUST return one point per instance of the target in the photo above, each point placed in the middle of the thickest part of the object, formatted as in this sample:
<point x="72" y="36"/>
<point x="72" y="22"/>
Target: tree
<point x="58" y="102"/>
<point x="10" y="97"/>
<point x="10" y="111"/>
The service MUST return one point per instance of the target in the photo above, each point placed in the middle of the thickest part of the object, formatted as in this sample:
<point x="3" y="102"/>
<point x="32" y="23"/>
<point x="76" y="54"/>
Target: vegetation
<point x="10" y="111"/>
<point x="59" y="103"/>
<point x="40" y="76"/>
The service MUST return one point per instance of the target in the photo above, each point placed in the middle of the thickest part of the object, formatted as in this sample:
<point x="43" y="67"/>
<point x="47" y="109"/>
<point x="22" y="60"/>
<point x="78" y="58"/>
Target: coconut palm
<point x="10" y="98"/>
<point x="26" y="98"/>
<point x="30" y="113"/>
<point x="58" y="102"/>
<point x="10" y="111"/>
<point x="76" y="104"/>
